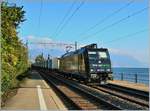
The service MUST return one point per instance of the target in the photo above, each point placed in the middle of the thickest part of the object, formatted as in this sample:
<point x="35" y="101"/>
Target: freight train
<point x="89" y="64"/>
<point x="52" y="63"/>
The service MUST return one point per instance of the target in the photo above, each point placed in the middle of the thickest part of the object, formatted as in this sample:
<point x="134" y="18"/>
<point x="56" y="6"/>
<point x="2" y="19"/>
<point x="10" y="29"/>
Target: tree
<point x="39" y="58"/>
<point x="13" y="51"/>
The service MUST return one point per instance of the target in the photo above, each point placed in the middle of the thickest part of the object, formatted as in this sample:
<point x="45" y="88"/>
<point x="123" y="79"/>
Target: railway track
<point x="133" y="92"/>
<point x="126" y="96"/>
<point x="80" y="98"/>
<point x="116" y="101"/>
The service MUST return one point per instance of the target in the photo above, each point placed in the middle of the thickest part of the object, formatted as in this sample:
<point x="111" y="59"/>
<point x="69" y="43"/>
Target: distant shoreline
<point x="133" y="67"/>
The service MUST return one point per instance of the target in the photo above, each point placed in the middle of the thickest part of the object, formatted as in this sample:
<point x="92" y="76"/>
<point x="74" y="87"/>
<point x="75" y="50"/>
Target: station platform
<point x="128" y="84"/>
<point x="34" y="94"/>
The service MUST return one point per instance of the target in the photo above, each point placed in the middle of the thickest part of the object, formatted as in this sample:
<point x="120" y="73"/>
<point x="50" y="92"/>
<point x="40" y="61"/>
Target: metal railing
<point x="132" y="77"/>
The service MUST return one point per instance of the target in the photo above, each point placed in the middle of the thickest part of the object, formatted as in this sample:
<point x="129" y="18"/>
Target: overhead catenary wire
<point x="127" y="36"/>
<point x="40" y="14"/>
<point x="65" y="16"/>
<point x="67" y="21"/>
<point x="107" y="17"/>
<point x="115" y="23"/>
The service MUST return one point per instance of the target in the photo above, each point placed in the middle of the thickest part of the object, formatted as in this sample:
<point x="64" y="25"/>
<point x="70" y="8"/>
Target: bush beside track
<point x="14" y="57"/>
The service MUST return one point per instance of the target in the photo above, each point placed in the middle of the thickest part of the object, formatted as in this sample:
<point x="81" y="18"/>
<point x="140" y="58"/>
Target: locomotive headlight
<point x="91" y="70"/>
<point x="108" y="69"/>
<point x="99" y="62"/>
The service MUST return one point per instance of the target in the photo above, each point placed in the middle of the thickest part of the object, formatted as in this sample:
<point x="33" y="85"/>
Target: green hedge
<point x="13" y="52"/>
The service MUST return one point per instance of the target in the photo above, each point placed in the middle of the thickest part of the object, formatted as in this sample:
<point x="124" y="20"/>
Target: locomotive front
<point x="99" y="66"/>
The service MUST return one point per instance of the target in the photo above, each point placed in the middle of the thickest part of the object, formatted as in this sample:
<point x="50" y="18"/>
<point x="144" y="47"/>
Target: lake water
<point x="139" y="75"/>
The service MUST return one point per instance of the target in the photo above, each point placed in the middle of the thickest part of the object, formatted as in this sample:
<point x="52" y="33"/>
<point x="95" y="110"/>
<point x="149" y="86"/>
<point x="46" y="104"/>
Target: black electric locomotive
<point x="89" y="64"/>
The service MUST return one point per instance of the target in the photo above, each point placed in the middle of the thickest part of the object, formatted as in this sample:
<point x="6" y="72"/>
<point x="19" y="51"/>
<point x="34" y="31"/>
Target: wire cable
<point x="115" y="23"/>
<point x="65" y="16"/>
<point x="40" y="14"/>
<point x="127" y="36"/>
<point x="74" y="12"/>
<point x="107" y="17"/>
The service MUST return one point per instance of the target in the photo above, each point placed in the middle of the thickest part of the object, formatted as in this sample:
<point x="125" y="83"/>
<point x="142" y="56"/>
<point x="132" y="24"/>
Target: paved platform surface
<point x="34" y="94"/>
<point x="138" y="86"/>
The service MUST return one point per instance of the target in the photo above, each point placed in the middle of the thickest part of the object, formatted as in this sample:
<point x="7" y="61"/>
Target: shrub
<point x="13" y="52"/>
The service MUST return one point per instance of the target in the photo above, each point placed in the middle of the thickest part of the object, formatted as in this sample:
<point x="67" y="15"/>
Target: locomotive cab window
<point x="92" y="55"/>
<point x="102" y="55"/>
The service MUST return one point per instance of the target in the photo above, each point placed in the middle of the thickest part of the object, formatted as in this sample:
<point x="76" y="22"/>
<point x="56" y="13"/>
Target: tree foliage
<point x="39" y="58"/>
<point x="13" y="51"/>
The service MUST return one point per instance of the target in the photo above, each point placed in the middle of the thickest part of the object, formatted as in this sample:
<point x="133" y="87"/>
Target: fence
<point x="132" y="77"/>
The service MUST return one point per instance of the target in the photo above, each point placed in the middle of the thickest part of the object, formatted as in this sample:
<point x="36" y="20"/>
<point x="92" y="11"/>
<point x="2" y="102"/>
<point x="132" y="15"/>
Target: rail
<point x="116" y="101"/>
<point x="134" y="92"/>
<point x="100" y="102"/>
<point x="128" y="95"/>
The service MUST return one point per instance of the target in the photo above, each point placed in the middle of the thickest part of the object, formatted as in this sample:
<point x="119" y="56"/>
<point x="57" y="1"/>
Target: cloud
<point x="46" y="43"/>
<point x="119" y="52"/>
<point x="39" y="39"/>
<point x="39" y="42"/>
<point x="123" y="58"/>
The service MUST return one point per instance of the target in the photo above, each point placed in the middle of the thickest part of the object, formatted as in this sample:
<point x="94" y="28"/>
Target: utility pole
<point x="76" y="46"/>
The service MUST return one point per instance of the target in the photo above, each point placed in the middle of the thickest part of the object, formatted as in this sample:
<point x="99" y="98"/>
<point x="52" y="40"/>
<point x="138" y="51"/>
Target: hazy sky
<point x="122" y="39"/>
